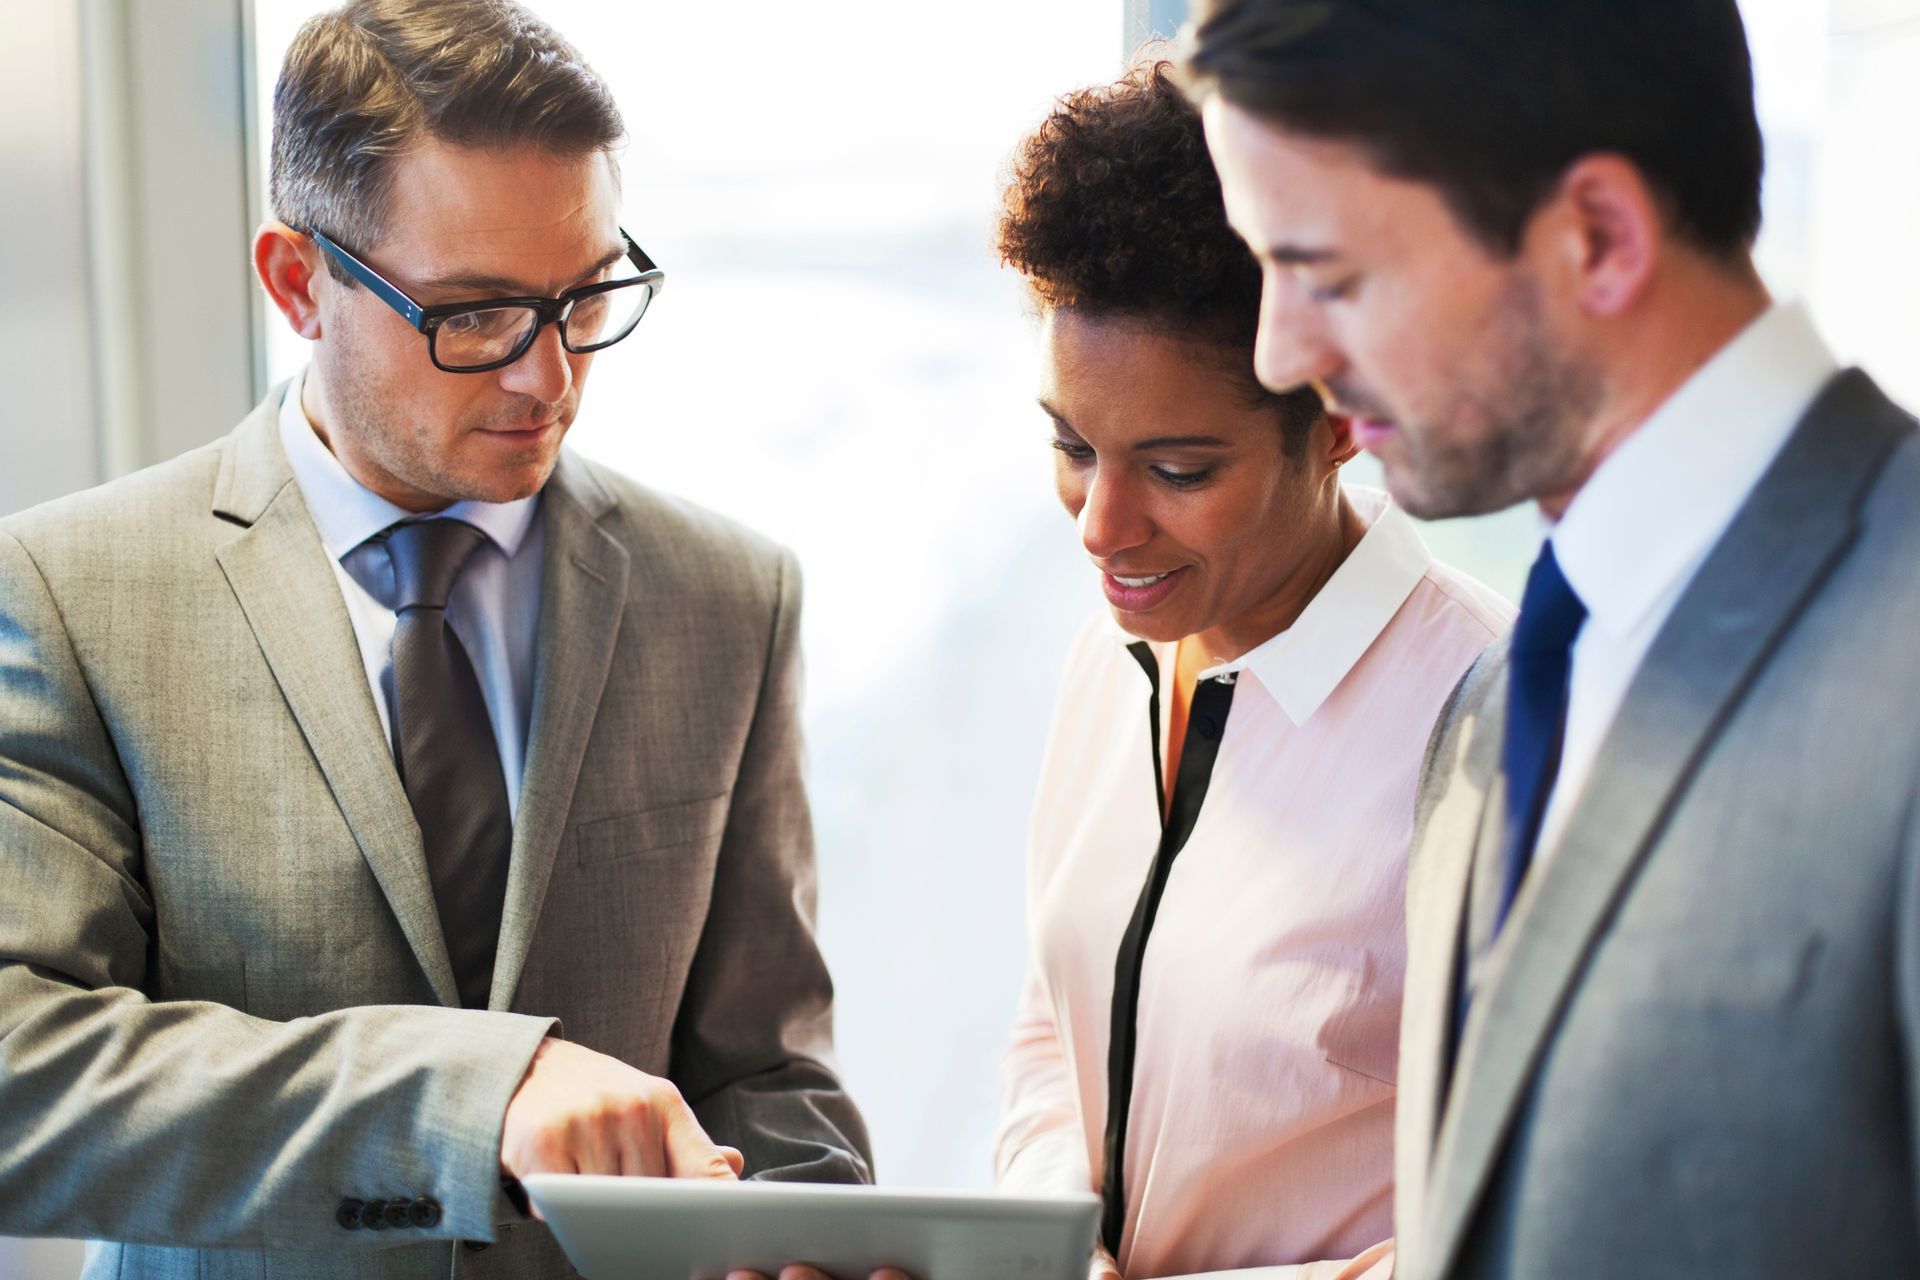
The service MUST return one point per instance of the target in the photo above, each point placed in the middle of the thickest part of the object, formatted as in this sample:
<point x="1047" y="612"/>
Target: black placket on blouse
<point x="1206" y="725"/>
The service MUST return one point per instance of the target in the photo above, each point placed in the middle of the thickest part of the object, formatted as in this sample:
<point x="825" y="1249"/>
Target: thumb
<point x="690" y="1152"/>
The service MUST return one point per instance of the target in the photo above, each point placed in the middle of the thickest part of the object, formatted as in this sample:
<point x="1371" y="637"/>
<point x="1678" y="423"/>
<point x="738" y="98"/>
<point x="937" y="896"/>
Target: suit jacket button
<point x="424" y="1213"/>
<point x="348" y="1214"/>
<point x="397" y="1214"/>
<point x="474" y="1246"/>
<point x="373" y="1215"/>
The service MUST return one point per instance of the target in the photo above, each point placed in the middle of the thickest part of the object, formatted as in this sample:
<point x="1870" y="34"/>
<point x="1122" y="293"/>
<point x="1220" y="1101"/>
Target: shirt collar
<point x="1303" y="665"/>
<point x="1651" y="512"/>
<point x="347" y="513"/>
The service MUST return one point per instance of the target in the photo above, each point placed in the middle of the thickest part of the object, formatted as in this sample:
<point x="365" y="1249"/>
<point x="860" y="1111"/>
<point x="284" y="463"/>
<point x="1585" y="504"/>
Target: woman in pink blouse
<point x="1217" y="862"/>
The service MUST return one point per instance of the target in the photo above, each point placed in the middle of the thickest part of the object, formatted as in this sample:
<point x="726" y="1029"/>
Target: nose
<point x="545" y="372"/>
<point x="1293" y="346"/>
<point x="1111" y="518"/>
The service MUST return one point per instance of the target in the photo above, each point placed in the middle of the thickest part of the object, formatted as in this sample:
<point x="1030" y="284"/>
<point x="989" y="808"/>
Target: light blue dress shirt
<point x="495" y="605"/>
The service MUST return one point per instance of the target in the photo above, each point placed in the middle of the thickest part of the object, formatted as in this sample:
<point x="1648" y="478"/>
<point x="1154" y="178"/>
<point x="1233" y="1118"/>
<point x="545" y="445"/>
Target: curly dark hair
<point x="1114" y="209"/>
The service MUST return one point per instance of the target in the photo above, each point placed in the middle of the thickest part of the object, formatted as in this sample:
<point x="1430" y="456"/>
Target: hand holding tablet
<point x="669" y="1229"/>
<point x="803" y="1271"/>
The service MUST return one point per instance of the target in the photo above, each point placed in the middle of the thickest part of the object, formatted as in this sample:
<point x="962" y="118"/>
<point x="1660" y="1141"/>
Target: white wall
<point x="47" y="440"/>
<point x="128" y="316"/>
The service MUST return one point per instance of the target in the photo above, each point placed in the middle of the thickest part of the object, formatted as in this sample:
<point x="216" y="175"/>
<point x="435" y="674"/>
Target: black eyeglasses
<point x="473" y="337"/>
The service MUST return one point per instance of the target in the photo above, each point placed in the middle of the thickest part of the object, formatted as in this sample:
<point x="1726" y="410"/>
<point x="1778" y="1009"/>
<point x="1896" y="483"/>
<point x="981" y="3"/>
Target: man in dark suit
<point x="1663" y="1005"/>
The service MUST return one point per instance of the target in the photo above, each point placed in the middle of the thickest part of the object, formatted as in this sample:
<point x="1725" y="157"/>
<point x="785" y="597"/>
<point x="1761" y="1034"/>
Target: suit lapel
<point x="583" y="597"/>
<point x="1442" y="863"/>
<point x="1792" y="530"/>
<point x="286" y="587"/>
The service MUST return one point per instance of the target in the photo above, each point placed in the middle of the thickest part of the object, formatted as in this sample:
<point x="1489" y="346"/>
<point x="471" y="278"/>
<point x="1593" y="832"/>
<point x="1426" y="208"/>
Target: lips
<point x="1371" y="433"/>
<point x="1136" y="593"/>
<point x="521" y="435"/>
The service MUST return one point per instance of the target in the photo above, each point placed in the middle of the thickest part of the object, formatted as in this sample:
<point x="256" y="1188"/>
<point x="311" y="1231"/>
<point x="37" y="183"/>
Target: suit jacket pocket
<point x="694" y="822"/>
<point x="1774" y="969"/>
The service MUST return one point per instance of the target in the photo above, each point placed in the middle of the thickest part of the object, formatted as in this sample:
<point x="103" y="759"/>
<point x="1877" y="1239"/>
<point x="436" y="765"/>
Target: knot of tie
<point x="427" y="556"/>
<point x="1550" y="613"/>
<point x="1539" y="673"/>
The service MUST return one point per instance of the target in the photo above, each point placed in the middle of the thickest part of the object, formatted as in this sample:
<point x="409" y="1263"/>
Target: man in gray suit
<point x="392" y="804"/>
<point x="1663" y="1001"/>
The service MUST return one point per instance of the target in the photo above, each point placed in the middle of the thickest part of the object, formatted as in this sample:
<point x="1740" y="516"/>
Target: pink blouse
<point x="1261" y="1124"/>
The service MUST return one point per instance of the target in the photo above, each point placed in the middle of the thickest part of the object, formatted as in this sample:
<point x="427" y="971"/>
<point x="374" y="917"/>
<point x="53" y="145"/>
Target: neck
<point x="311" y="407"/>
<point x="1686" y="318"/>
<point x="1334" y="534"/>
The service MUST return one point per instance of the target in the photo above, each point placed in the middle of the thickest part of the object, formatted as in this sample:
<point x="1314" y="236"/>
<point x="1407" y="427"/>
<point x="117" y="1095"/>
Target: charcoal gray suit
<point x="225" y="1000"/>
<point x="1695" y="1049"/>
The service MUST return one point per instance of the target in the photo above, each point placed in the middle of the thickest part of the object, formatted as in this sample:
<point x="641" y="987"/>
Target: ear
<point x="1608" y="232"/>
<point x="289" y="269"/>
<point x="1341" y="447"/>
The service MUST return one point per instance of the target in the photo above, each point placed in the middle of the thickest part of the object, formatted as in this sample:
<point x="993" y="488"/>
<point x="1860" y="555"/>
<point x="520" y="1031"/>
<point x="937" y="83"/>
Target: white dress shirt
<point x="1645" y="522"/>
<point x="495" y="605"/>
<point x="1261" y="1127"/>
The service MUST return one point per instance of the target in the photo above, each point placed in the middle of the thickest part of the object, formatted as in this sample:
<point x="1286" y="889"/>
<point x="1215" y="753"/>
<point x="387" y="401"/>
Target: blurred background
<point x="838" y="361"/>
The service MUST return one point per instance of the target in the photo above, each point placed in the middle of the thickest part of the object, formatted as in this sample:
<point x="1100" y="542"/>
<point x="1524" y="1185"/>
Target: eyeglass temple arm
<point x="639" y="258"/>
<point x="367" y="276"/>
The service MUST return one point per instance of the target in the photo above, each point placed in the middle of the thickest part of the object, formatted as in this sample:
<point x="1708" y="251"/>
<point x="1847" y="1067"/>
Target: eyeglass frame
<point x="427" y="320"/>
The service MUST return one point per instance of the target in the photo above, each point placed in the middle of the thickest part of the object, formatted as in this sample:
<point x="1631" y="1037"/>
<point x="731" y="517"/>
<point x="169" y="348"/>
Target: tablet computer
<point x="674" y="1229"/>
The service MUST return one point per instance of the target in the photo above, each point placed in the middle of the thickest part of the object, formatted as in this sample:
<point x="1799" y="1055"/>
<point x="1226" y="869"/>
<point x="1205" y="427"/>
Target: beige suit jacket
<point x="225" y="1001"/>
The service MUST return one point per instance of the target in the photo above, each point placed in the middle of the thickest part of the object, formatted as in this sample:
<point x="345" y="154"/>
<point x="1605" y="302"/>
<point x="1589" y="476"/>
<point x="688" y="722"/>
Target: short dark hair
<point x="364" y="83"/>
<point x="1490" y="101"/>
<point x="1114" y="210"/>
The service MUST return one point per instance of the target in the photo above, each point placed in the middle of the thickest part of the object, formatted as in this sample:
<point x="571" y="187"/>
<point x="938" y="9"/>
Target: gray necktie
<point x="443" y="743"/>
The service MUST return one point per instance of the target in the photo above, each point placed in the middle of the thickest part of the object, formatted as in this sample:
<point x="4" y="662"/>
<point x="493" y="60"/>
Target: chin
<point x="521" y="482"/>
<point x="1145" y="626"/>
<point x="1416" y="502"/>
<point x="1425" y="496"/>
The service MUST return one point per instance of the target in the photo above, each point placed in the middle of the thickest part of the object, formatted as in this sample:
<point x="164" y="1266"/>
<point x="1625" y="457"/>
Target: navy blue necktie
<point x="1539" y="664"/>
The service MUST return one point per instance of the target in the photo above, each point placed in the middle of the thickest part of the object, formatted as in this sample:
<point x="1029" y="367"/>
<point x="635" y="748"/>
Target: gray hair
<point x="365" y="83"/>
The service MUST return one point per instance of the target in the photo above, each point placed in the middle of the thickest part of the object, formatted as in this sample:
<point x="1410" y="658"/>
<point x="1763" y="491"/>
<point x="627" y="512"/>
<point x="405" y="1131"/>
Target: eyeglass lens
<point x="487" y="335"/>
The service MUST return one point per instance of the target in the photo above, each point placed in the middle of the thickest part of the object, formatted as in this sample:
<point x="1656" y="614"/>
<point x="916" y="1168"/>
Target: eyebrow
<point x="1182" y="442"/>
<point x="1158" y="442"/>
<point x="1291" y="256"/>
<point x="511" y="288"/>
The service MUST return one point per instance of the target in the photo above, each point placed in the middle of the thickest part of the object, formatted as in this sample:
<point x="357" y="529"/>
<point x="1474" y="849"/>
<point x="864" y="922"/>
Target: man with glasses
<point x="394" y="804"/>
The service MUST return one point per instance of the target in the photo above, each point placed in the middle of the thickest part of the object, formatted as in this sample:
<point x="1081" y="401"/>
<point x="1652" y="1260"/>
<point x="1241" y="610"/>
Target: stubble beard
<point x="1511" y="435"/>
<point x="408" y="454"/>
